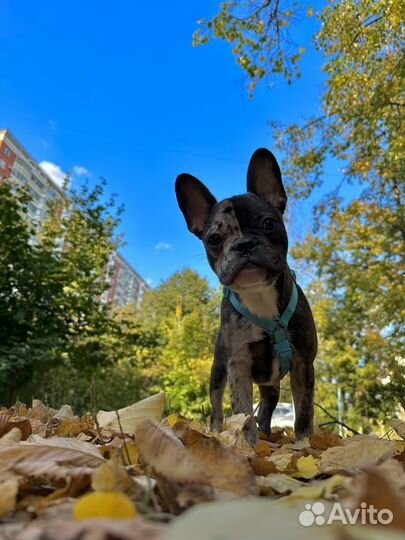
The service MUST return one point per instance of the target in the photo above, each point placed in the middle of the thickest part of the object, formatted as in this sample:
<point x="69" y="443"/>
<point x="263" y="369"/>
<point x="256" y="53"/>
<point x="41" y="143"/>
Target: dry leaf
<point x="13" y="436"/>
<point x="53" y="457"/>
<point x="104" y="504"/>
<point x="323" y="439"/>
<point x="7" y="423"/>
<point x="280" y="483"/>
<point x="373" y="489"/>
<point x="307" y="467"/>
<point x="110" y="476"/>
<point x="399" y="427"/>
<point x="359" y="454"/>
<point x="281" y="461"/>
<point x="150" y="408"/>
<point x="8" y="495"/>
<point x="263" y="449"/>
<point x="226" y="469"/>
<point x="321" y="489"/>
<point x="169" y="459"/>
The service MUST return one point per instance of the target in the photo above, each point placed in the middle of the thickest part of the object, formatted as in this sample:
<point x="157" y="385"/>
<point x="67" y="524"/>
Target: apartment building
<point x="17" y="165"/>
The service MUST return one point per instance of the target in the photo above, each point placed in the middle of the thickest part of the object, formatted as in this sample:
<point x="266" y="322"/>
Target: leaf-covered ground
<point x="131" y="475"/>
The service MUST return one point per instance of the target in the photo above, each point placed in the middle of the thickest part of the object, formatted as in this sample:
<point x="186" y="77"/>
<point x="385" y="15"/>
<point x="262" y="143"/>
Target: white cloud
<point x="54" y="171"/>
<point x="80" y="171"/>
<point x="52" y="124"/>
<point x="163" y="245"/>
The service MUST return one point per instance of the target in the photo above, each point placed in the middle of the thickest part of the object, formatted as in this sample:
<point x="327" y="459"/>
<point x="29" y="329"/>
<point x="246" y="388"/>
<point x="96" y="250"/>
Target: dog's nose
<point x="245" y="245"/>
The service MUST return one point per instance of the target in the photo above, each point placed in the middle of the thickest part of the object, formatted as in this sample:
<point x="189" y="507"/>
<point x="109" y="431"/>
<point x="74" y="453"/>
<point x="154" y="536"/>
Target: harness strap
<point x="276" y="327"/>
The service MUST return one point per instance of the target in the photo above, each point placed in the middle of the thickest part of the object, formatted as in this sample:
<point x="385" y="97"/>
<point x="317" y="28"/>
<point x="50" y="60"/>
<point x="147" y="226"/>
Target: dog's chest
<point x="254" y="344"/>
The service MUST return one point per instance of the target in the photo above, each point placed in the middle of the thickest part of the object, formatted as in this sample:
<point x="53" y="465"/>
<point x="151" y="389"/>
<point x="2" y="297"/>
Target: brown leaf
<point x="51" y="457"/>
<point x="399" y="427"/>
<point x="263" y="449"/>
<point x="169" y="459"/>
<point x="263" y="467"/>
<point x="373" y="489"/>
<point x="323" y="439"/>
<point x="8" y="495"/>
<point x="227" y="470"/>
<point x="7" y="423"/>
<point x="362" y="453"/>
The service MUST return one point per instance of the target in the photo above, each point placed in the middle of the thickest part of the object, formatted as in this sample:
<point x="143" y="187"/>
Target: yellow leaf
<point x="173" y="419"/>
<point x="106" y="504"/>
<point x="8" y="494"/>
<point x="110" y="476"/>
<point x="307" y="467"/>
<point x="322" y="489"/>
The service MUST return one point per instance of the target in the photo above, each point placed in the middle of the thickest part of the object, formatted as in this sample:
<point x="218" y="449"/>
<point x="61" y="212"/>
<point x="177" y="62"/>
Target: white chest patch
<point x="261" y="302"/>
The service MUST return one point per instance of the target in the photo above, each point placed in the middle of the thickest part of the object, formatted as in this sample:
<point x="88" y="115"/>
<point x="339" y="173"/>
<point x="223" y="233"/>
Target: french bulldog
<point x="246" y="245"/>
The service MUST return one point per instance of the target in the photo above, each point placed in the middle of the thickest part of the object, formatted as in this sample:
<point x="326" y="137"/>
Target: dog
<point x="246" y="245"/>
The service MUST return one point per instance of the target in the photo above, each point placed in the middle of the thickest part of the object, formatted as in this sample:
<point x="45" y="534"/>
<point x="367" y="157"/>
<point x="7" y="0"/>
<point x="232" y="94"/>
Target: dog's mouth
<point x="250" y="274"/>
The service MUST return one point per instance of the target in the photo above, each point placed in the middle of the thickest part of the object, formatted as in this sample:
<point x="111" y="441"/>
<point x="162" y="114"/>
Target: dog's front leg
<point x="217" y="384"/>
<point x="241" y="391"/>
<point x="302" y="386"/>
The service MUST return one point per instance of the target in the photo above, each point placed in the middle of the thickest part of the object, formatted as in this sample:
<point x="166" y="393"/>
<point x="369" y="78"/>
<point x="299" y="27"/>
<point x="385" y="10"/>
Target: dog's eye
<point x="214" y="240"/>
<point x="269" y="224"/>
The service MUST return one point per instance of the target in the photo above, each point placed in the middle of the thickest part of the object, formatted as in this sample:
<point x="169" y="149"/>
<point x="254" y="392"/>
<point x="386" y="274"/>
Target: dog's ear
<point x="195" y="201"/>
<point x="264" y="179"/>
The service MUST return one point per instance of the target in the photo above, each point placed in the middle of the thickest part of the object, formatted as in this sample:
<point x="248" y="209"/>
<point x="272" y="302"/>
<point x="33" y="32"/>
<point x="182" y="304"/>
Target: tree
<point x="355" y="253"/>
<point x="51" y="282"/>
<point x="184" y="312"/>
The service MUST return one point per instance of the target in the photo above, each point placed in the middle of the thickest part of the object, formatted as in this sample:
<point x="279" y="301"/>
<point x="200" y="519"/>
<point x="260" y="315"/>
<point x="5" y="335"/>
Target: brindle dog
<point x="246" y="244"/>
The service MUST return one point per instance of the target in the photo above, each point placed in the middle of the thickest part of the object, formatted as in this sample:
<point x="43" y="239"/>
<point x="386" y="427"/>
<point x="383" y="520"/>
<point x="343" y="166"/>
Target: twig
<point x="94" y="410"/>
<point x="123" y="438"/>
<point x="336" y="421"/>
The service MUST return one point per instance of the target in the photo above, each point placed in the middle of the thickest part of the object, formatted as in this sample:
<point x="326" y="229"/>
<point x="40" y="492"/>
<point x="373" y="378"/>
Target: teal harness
<point x="276" y="328"/>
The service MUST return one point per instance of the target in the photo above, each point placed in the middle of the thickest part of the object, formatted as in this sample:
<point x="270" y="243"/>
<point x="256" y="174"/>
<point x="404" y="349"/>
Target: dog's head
<point x="244" y="236"/>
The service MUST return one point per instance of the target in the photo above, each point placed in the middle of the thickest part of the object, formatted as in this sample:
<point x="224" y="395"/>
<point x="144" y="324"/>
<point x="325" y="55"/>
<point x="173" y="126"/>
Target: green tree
<point x="355" y="256"/>
<point x="183" y="311"/>
<point x="51" y="282"/>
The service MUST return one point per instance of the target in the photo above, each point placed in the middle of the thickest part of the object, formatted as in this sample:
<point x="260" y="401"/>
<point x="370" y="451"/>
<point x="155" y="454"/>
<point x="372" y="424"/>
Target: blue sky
<point x="116" y="89"/>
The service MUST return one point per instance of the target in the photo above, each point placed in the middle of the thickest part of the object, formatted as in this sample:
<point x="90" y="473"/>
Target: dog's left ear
<point x="264" y="179"/>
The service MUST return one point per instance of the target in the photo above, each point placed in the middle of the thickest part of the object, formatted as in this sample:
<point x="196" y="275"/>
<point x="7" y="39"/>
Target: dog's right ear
<point x="195" y="201"/>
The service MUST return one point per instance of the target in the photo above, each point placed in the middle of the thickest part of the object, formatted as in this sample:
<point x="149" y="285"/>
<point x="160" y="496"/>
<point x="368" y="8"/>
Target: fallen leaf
<point x="263" y="449"/>
<point x="359" y="454"/>
<point x="169" y="459"/>
<point x="280" y="483"/>
<point x="7" y="423"/>
<point x="150" y="408"/>
<point x="307" y="467"/>
<point x="323" y="439"/>
<point x="399" y="427"/>
<point x="226" y="469"/>
<point x="321" y="489"/>
<point x="263" y="467"/>
<point x="8" y="495"/>
<point x="104" y="504"/>
<point x="53" y="457"/>
<point x="373" y="489"/>
<point x="110" y="476"/>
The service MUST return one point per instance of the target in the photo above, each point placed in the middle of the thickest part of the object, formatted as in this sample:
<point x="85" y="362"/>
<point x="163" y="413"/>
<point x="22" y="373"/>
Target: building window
<point x="7" y="152"/>
<point x="3" y="164"/>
